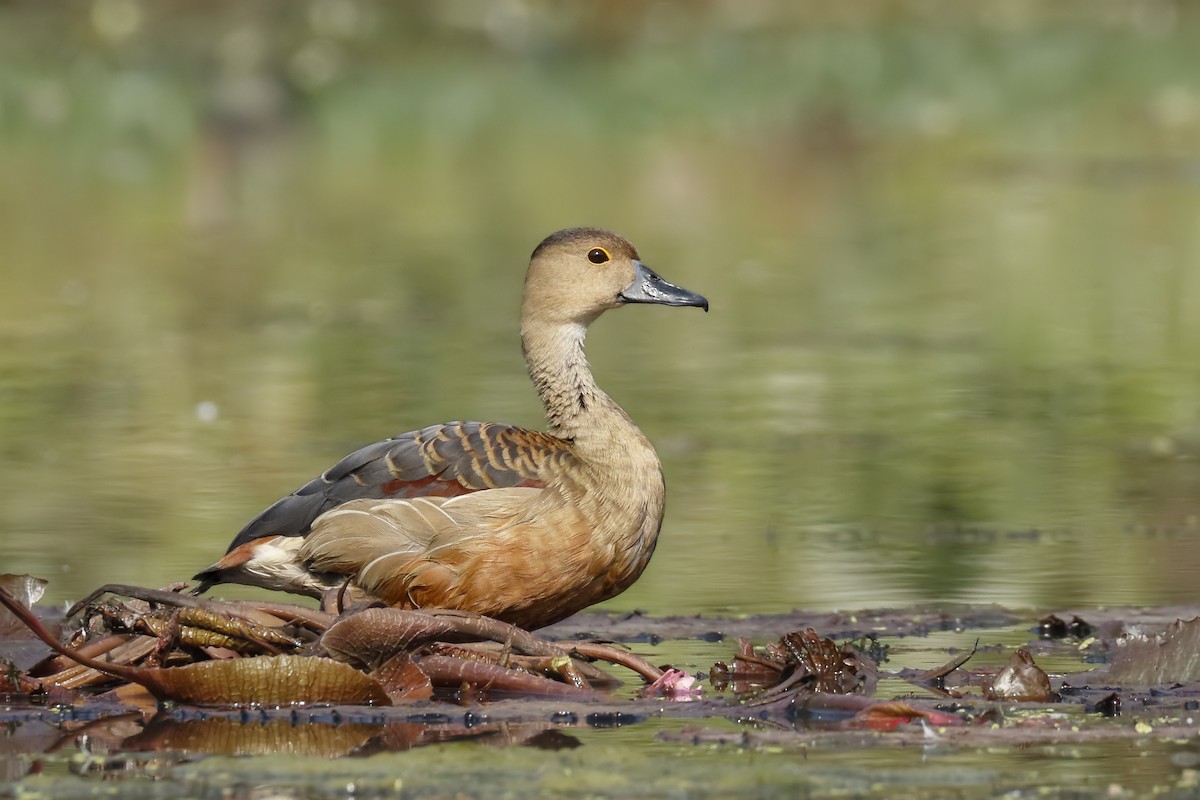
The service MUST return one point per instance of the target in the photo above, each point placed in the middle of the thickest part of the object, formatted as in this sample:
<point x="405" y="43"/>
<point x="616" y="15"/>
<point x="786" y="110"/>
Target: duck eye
<point x="598" y="255"/>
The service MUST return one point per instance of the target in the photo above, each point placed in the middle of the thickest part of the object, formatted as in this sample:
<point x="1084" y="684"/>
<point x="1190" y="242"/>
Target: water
<point x="951" y="355"/>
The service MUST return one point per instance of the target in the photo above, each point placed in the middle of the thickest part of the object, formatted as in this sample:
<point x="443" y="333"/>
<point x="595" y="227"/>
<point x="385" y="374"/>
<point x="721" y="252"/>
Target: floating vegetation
<point x="140" y="678"/>
<point x="127" y="650"/>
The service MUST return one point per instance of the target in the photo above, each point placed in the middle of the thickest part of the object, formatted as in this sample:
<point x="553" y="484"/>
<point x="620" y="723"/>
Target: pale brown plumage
<point x="525" y="526"/>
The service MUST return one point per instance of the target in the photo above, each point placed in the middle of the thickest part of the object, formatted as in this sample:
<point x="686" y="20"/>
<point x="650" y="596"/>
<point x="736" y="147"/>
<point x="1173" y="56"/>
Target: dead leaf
<point x="403" y="680"/>
<point x="810" y="663"/>
<point x="25" y="588"/>
<point x="1168" y="658"/>
<point x="18" y="645"/>
<point x="454" y="672"/>
<point x="262" y="680"/>
<point x="890" y="714"/>
<point x="1020" y="680"/>
<point x="936" y="678"/>
<point x="373" y="636"/>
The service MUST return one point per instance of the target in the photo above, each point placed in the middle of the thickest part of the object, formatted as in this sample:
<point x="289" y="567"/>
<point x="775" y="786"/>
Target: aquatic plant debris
<point x="25" y="589"/>
<point x="1020" y="679"/>
<point x="263" y="680"/>
<point x="798" y="661"/>
<point x="888" y="715"/>
<point x="18" y="645"/>
<point x="1142" y="658"/>
<point x="214" y="654"/>
<point x="479" y="679"/>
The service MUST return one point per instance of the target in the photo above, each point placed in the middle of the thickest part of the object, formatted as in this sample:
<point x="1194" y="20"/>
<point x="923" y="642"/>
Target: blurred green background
<point x="952" y="251"/>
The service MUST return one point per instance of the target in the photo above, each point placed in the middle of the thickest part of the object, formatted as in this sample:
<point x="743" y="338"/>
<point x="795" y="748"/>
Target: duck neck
<point x="616" y="481"/>
<point x="575" y="406"/>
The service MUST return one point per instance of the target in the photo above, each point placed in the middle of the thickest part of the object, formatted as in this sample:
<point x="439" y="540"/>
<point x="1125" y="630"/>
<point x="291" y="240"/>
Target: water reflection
<point x="178" y="737"/>
<point x="950" y="355"/>
<point x="223" y="736"/>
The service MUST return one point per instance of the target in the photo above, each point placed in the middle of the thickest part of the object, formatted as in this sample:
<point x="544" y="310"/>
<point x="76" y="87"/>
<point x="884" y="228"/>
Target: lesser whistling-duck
<point x="524" y="526"/>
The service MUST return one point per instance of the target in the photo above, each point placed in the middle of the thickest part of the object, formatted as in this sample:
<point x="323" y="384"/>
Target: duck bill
<point x="649" y="287"/>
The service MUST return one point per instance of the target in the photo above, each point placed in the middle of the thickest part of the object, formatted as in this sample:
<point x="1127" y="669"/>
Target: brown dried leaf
<point x="471" y="627"/>
<point x="263" y="680"/>
<point x="937" y="675"/>
<point x="271" y="613"/>
<point x="613" y="655"/>
<point x="25" y="588"/>
<point x="748" y="670"/>
<point x="373" y="636"/>
<point x="235" y="628"/>
<point x="810" y="663"/>
<point x="403" y="680"/>
<point x="115" y="650"/>
<point x="832" y="669"/>
<point x="889" y="714"/>
<point x="17" y="644"/>
<point x="134" y="696"/>
<point x="1020" y="680"/>
<point x="454" y="672"/>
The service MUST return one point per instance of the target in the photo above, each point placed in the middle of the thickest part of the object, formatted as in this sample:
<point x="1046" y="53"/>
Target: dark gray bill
<point x="648" y="287"/>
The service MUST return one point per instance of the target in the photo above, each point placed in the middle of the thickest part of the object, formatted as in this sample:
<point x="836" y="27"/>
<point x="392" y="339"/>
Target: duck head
<point x="577" y="274"/>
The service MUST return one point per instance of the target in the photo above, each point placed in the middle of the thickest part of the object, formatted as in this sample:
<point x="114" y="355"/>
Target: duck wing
<point x="374" y="540"/>
<point x="445" y="460"/>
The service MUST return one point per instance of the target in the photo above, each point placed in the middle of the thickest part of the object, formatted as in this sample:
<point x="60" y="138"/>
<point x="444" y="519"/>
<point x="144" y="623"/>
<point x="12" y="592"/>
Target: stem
<point x="615" y="655"/>
<point x="35" y="625"/>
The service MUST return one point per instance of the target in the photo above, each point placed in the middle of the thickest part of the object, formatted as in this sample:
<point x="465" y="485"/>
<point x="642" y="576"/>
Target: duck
<point x="525" y="526"/>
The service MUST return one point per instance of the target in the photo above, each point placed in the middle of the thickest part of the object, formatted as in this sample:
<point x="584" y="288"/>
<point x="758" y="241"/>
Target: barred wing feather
<point x="445" y="460"/>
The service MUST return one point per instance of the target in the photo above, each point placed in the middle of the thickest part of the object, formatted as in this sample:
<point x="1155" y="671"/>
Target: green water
<point x="952" y="251"/>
